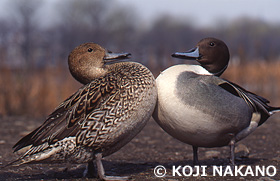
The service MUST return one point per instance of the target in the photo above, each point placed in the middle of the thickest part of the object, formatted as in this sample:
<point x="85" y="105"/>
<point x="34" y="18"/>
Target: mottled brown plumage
<point x="102" y="116"/>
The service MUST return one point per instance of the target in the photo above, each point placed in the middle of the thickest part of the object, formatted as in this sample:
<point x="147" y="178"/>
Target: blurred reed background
<point x="34" y="76"/>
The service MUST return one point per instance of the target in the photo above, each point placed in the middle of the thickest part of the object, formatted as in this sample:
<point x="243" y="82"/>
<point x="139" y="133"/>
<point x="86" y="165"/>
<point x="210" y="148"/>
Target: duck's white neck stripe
<point x="197" y="69"/>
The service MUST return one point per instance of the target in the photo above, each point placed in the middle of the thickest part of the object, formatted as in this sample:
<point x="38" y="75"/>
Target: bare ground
<point x="150" y="148"/>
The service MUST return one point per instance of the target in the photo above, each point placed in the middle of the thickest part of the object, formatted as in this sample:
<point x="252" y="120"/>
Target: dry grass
<point x="261" y="78"/>
<point x="36" y="93"/>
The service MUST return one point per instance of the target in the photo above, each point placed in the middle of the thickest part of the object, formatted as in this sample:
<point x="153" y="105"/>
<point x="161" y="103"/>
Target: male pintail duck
<point x="199" y="108"/>
<point x="112" y="107"/>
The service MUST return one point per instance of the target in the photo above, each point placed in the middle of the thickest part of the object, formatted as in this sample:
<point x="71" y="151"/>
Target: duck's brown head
<point x="86" y="62"/>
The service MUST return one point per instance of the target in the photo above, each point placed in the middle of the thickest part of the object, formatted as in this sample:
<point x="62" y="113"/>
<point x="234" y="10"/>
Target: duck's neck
<point x="198" y="70"/>
<point x="88" y="75"/>
<point x="219" y="73"/>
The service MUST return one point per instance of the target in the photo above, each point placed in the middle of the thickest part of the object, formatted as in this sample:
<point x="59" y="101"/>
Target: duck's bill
<point x="110" y="56"/>
<point x="192" y="54"/>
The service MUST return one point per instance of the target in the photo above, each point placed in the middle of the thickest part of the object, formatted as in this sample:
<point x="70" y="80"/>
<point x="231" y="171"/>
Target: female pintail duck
<point x="112" y="107"/>
<point x="199" y="108"/>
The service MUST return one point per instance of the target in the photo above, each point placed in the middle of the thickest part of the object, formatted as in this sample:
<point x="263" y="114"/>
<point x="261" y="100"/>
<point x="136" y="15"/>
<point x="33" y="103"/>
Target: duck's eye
<point x="212" y="44"/>
<point x="89" y="50"/>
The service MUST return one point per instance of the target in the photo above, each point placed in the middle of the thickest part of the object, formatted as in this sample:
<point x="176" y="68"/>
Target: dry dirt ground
<point x="150" y="148"/>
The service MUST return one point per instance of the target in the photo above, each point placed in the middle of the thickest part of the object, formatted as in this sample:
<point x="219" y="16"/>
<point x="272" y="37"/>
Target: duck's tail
<point x="35" y="154"/>
<point x="274" y="110"/>
<point x="17" y="162"/>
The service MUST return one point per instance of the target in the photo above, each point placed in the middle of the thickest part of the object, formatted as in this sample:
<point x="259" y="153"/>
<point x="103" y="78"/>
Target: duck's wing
<point x="255" y="102"/>
<point x="68" y="117"/>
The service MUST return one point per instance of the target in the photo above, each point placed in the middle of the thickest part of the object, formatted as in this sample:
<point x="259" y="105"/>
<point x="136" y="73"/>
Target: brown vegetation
<point x="262" y="78"/>
<point x="34" y="92"/>
<point x="37" y="92"/>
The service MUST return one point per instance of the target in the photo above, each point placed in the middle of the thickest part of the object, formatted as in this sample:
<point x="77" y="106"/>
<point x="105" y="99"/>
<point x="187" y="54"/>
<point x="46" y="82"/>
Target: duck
<point x="113" y="105"/>
<point x="198" y="107"/>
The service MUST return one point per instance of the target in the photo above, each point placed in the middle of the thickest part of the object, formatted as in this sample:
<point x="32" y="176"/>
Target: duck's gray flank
<point x="102" y="116"/>
<point x="208" y="99"/>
